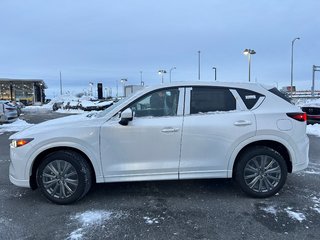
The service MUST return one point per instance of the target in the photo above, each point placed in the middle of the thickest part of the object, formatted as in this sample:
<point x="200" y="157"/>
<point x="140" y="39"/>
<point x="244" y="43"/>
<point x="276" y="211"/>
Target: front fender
<point x="91" y="151"/>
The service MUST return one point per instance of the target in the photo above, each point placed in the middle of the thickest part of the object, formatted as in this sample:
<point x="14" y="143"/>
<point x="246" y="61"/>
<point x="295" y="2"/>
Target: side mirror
<point x="126" y="116"/>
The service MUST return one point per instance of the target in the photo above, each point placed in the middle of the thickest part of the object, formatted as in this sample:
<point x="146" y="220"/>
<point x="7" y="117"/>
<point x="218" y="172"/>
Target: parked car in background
<point x="174" y="131"/>
<point x="8" y="112"/>
<point x="57" y="105"/>
<point x="313" y="112"/>
<point x="19" y="105"/>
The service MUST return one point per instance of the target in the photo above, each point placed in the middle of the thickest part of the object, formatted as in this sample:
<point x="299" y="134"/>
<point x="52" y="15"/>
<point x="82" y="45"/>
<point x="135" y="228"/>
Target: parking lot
<point x="193" y="209"/>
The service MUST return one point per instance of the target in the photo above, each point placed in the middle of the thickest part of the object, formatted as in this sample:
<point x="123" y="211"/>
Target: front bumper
<point x="15" y="180"/>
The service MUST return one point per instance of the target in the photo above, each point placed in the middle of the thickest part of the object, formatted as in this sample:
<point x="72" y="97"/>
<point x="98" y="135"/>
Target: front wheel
<point x="261" y="172"/>
<point x="64" y="177"/>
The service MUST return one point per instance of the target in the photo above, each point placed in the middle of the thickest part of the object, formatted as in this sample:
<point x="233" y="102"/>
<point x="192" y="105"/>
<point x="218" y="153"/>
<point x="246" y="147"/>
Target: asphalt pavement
<point x="192" y="209"/>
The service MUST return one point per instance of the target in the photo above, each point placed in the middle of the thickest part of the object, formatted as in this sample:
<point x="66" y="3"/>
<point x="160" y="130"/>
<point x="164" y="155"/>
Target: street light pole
<point x="291" y="83"/>
<point x="40" y="93"/>
<point x="162" y="72"/>
<point x="249" y="52"/>
<point x="215" y="73"/>
<point x="170" y="72"/>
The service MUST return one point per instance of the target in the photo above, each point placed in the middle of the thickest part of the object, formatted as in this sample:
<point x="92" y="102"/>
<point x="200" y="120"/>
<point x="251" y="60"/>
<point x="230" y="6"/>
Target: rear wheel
<point x="64" y="177"/>
<point x="261" y="172"/>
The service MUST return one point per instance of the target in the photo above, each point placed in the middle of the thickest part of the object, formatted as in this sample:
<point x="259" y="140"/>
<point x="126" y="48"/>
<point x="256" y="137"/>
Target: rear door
<point x="216" y="121"/>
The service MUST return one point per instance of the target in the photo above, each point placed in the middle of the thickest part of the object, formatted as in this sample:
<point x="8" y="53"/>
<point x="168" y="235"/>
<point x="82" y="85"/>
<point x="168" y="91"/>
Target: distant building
<point x="288" y="89"/>
<point x="129" y="89"/>
<point x="28" y="91"/>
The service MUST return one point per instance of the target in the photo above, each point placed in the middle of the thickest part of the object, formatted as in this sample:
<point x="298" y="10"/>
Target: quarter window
<point x="249" y="98"/>
<point x="211" y="99"/>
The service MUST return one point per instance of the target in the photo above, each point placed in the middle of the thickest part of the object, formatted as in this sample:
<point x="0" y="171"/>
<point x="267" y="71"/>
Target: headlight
<point x="20" y="142"/>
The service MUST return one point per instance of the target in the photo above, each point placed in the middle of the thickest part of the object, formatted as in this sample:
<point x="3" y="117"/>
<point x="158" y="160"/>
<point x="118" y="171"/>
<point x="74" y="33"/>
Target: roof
<point x="246" y="85"/>
<point x="23" y="80"/>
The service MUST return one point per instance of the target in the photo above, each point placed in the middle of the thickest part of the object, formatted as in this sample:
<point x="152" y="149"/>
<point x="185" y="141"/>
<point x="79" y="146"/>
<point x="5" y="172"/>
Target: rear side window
<point x="275" y="91"/>
<point x="211" y="99"/>
<point x="250" y="98"/>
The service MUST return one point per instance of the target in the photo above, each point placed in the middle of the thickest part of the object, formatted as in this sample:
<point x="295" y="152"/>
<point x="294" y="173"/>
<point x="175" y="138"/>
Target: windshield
<point x="116" y="104"/>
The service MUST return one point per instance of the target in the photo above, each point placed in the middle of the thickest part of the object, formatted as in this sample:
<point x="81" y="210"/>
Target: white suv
<point x="244" y="131"/>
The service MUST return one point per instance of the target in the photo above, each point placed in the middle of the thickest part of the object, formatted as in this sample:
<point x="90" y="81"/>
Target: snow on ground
<point x="77" y="111"/>
<point x="271" y="209"/>
<point x="15" y="126"/>
<point x="295" y="215"/>
<point x="89" y="220"/>
<point x="149" y="220"/>
<point x="316" y="206"/>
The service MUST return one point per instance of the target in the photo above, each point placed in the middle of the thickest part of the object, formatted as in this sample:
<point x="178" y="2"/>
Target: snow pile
<point x="90" y="220"/>
<point x="71" y="111"/>
<point x="308" y="102"/>
<point x="15" y="126"/>
<point x="63" y="98"/>
<point x="313" y="129"/>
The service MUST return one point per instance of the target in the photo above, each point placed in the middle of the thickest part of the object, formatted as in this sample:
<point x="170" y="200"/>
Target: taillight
<point x="299" y="116"/>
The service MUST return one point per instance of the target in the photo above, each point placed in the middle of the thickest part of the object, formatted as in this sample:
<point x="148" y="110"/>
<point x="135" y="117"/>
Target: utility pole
<point x="215" y="73"/>
<point x="199" y="65"/>
<point x="314" y="69"/>
<point x="141" y="82"/>
<point x="60" y="84"/>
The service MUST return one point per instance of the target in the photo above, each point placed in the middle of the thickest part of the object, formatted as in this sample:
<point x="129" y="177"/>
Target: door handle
<point x="169" y="130"/>
<point x="242" y="123"/>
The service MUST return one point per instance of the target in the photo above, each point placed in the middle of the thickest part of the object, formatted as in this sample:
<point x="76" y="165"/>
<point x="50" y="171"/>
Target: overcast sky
<point x="104" y="41"/>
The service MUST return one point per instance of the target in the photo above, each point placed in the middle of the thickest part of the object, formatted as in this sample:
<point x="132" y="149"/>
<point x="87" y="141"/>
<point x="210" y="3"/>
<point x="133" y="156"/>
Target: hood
<point x="59" y="123"/>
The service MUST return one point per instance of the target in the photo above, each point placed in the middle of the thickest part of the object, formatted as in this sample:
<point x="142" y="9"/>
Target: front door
<point x="148" y="148"/>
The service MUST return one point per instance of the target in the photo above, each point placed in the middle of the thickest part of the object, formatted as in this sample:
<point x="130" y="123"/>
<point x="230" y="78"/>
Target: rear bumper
<point x="301" y="160"/>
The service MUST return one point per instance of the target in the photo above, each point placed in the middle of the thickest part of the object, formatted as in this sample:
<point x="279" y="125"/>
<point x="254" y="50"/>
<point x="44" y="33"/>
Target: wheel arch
<point x="277" y="146"/>
<point x="40" y="157"/>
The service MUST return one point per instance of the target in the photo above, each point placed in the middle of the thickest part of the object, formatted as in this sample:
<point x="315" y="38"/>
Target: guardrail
<point x="304" y="94"/>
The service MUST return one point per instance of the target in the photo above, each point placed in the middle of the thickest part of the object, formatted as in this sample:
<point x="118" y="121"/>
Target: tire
<point x="261" y="172"/>
<point x="64" y="177"/>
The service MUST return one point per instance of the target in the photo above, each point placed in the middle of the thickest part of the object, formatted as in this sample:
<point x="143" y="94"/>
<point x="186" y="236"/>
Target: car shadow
<point x="168" y="188"/>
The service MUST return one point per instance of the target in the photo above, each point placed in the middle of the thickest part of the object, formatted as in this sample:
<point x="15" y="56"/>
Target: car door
<point x="148" y="148"/>
<point x="216" y="121"/>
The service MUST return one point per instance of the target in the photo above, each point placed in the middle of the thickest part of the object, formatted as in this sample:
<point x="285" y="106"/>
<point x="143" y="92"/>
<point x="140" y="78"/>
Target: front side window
<point x="160" y="103"/>
<point x="211" y="99"/>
